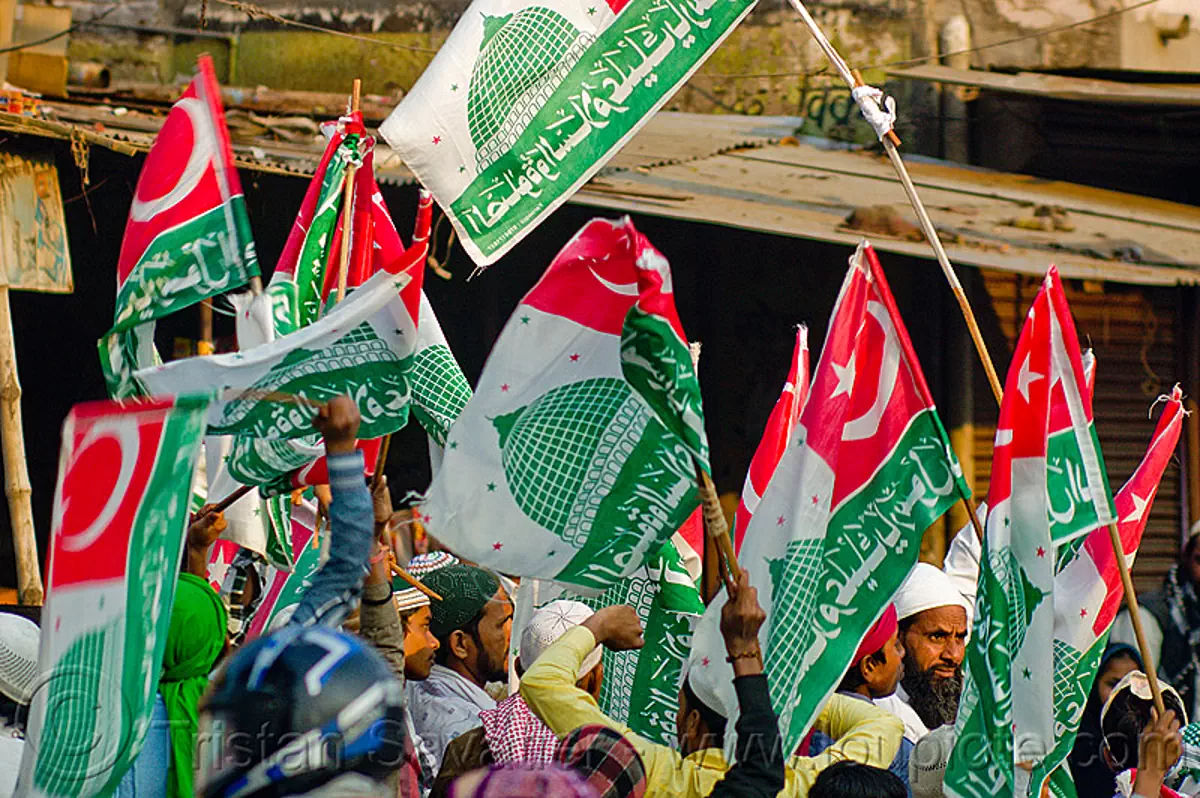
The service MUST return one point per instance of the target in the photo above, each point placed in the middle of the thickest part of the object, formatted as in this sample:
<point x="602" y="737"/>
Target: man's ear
<point x="692" y="723"/>
<point x="459" y="642"/>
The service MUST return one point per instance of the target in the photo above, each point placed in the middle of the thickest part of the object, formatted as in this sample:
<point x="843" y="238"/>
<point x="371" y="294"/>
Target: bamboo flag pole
<point x="881" y="118"/>
<point x="870" y="101"/>
<point x="16" y="470"/>
<point x="348" y="205"/>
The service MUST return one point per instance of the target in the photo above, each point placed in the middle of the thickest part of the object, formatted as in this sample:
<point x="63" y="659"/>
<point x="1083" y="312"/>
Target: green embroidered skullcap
<point x="465" y="591"/>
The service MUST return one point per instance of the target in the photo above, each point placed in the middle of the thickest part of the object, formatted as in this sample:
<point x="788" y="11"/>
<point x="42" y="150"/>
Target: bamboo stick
<point x="715" y="525"/>
<point x="890" y="141"/>
<point x="229" y="500"/>
<point x="16" y="470"/>
<point x="889" y="146"/>
<point x="205" y="345"/>
<point x="412" y="580"/>
<point x="381" y="460"/>
<point x="348" y="206"/>
<point x="1136" y="618"/>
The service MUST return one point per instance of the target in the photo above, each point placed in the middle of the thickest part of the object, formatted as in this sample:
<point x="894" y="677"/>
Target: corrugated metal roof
<point x="734" y="171"/>
<point x="1058" y="87"/>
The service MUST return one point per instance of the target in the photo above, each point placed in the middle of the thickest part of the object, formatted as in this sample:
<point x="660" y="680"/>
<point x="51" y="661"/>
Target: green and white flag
<point x="1048" y="487"/>
<point x="576" y="458"/>
<point x="188" y="236"/>
<point x="120" y="516"/>
<point x="363" y="348"/>
<point x="527" y="99"/>
<point x="868" y="469"/>
<point x="640" y="688"/>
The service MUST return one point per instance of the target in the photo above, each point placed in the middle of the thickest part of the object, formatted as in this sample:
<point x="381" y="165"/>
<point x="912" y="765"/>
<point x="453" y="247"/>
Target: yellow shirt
<point x="863" y="732"/>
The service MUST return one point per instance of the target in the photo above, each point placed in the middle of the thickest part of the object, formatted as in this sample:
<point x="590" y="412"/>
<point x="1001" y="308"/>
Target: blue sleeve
<point x="337" y="584"/>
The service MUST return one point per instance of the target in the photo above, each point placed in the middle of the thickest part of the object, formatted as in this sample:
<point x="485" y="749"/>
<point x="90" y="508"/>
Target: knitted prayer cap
<point x="550" y="623"/>
<point x="407" y="597"/>
<point x="424" y="564"/>
<point x="608" y="761"/>
<point x="465" y="591"/>
<point x="18" y="656"/>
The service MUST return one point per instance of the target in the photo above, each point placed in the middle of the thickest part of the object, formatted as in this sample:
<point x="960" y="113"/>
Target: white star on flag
<point x="1026" y="378"/>
<point x="1139" y="507"/>
<point x="845" y="377"/>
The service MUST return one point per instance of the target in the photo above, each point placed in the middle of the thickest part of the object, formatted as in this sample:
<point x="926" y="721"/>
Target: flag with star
<point x="576" y="458"/>
<point x="364" y="347"/>
<point x="119" y="521"/>
<point x="1048" y="487"/>
<point x="527" y="99"/>
<point x="780" y="426"/>
<point x="188" y="236"/>
<point x="1088" y="594"/>
<point x="867" y="470"/>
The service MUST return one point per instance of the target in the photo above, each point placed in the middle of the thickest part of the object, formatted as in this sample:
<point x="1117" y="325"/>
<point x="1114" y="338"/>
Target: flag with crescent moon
<point x="780" y="425"/>
<point x="120" y="516"/>
<point x="1088" y="593"/>
<point x="868" y="468"/>
<point x="576" y="457"/>
<point x="188" y="236"/>
<point x="1048" y="488"/>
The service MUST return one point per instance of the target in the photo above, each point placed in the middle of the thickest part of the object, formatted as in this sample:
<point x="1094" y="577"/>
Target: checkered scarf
<point x="606" y="759"/>
<point x="514" y="734"/>
<point x="233" y="587"/>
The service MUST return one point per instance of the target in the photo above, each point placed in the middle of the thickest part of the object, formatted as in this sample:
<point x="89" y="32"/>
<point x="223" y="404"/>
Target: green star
<point x="1028" y="674"/>
<point x="592" y="11"/>
<point x="398" y="331"/>
<point x="399" y="284"/>
<point x="462" y="169"/>
<point x="524" y="319"/>
<point x="491" y="486"/>
<point x="550" y="553"/>
<point x="453" y="87"/>
<point x="257" y="512"/>
<point x="453" y="444"/>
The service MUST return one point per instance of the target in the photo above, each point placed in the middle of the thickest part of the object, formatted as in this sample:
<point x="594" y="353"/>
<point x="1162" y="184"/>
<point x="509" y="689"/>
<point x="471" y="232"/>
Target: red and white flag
<point x="780" y="426"/>
<point x="120" y="515"/>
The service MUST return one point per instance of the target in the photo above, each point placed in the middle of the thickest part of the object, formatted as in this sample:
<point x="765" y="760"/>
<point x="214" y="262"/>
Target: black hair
<point x="1124" y="721"/>
<point x="712" y="719"/>
<point x="849" y="779"/>
<point x="404" y="616"/>
<point x="470" y="628"/>
<point x="854" y="678"/>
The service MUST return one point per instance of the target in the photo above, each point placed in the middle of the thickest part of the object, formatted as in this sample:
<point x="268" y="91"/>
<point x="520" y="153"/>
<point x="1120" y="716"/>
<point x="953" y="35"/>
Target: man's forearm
<point x="336" y="585"/>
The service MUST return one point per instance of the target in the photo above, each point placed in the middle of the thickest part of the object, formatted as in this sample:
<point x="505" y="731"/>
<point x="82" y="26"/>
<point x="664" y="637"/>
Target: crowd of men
<point x="415" y="701"/>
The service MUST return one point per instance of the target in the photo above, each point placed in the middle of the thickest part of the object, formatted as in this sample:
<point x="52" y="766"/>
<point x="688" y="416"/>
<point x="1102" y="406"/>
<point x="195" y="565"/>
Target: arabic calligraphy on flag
<point x="120" y="512"/>
<point x="527" y="100"/>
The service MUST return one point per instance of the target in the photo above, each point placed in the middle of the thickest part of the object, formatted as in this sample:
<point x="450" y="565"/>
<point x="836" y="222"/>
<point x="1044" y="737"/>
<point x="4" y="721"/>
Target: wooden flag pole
<point x="348" y="205"/>
<point x="381" y="460"/>
<point x="715" y="525"/>
<point x="412" y="580"/>
<point x="890" y="142"/>
<point x="16" y="471"/>
<point x="1136" y="618"/>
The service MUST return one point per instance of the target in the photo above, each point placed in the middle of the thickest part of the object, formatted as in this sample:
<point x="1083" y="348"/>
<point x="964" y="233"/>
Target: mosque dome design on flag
<point x="575" y="435"/>
<point x="522" y="59"/>
<point x="1022" y="595"/>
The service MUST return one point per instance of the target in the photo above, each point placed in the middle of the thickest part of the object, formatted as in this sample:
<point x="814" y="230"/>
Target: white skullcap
<point x="927" y="762"/>
<point x="410" y="599"/>
<point x="18" y="656"/>
<point x="550" y="623"/>
<point x="927" y="587"/>
<point x="709" y="679"/>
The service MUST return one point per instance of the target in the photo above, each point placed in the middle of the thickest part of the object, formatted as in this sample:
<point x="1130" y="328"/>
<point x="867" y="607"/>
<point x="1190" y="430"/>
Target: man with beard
<point x="472" y="624"/>
<point x="934" y="620"/>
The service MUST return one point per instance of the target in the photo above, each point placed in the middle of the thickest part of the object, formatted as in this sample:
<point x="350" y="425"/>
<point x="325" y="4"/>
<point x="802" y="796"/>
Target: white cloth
<point x="444" y="706"/>
<point x="897" y="704"/>
<point x="11" y="749"/>
<point x="962" y="560"/>
<point x="928" y="587"/>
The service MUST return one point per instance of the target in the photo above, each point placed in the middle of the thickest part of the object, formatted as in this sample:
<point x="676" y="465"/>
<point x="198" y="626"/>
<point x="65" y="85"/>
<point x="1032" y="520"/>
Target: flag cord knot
<point x="877" y="108"/>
